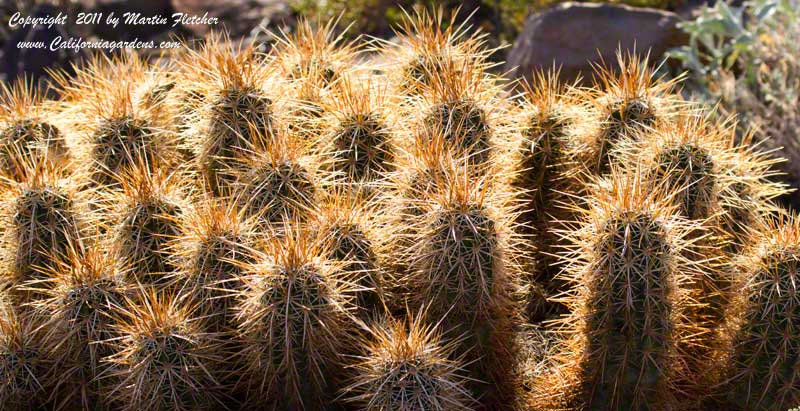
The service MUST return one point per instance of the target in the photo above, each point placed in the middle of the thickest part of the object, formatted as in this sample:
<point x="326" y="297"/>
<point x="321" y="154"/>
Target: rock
<point x="572" y="35"/>
<point x="238" y="17"/>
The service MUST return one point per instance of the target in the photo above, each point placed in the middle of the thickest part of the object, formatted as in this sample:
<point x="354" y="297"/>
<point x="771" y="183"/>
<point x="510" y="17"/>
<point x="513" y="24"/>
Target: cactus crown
<point x="428" y="44"/>
<point x="631" y="95"/>
<point x="278" y="182"/>
<point x="119" y="141"/>
<point x="26" y="127"/>
<point x="462" y="123"/>
<point x="631" y="99"/>
<point x="462" y="109"/>
<point x="706" y="174"/>
<point x="162" y="358"/>
<point x="234" y="112"/>
<point x="408" y="368"/>
<point x="123" y="131"/>
<point x="360" y="137"/>
<point x="314" y="53"/>
<point x="81" y="289"/>
<point x="689" y="155"/>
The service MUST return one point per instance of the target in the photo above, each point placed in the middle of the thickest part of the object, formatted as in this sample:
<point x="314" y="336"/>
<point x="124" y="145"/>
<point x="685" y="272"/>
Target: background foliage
<point x="747" y="60"/>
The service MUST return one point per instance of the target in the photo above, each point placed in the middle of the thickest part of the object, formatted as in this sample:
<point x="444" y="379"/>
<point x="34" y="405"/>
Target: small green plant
<point x="747" y="59"/>
<point x="724" y="38"/>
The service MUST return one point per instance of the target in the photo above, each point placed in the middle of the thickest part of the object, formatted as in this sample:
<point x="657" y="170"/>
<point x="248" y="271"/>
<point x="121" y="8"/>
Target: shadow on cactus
<point x="544" y="156"/>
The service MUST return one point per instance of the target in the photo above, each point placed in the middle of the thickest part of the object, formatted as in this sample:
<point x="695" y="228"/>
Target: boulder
<point x="574" y="35"/>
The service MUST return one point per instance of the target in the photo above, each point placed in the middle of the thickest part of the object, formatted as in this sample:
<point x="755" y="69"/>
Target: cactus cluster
<point x="332" y="225"/>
